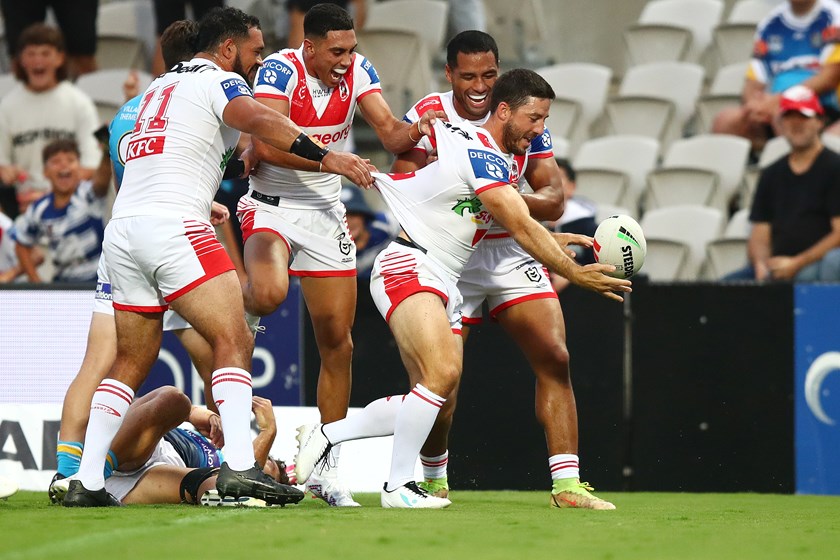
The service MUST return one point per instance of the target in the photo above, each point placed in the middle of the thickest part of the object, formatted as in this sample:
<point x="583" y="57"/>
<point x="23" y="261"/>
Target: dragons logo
<point x="473" y="205"/>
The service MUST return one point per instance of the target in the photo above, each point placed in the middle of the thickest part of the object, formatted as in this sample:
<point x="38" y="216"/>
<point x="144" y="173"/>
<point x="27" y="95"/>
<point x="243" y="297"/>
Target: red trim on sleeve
<point x="368" y="92"/>
<point x="491" y="186"/>
<point x="282" y="97"/>
<point x="541" y="155"/>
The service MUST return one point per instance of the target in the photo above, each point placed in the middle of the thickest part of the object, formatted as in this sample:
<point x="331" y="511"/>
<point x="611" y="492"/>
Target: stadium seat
<point x="673" y="30"/>
<point x="612" y="170"/>
<point x="519" y="29"/>
<point x="581" y="93"/>
<point x="774" y="149"/>
<point x="724" y="92"/>
<point x="656" y="100"/>
<point x="7" y="82"/>
<point x="733" y="40"/>
<point x="427" y="18"/>
<point x="124" y="34"/>
<point x="691" y="226"/>
<point x="105" y="89"/>
<point x="401" y="57"/>
<point x="729" y="252"/>
<point x="706" y="169"/>
<point x="604" y="211"/>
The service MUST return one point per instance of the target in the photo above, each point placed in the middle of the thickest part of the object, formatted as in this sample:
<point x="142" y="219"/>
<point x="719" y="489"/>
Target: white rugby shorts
<point x="103" y="303"/>
<point x="400" y="271"/>
<point x="501" y="272"/>
<point x="120" y="484"/>
<point x="318" y="240"/>
<point x="153" y="260"/>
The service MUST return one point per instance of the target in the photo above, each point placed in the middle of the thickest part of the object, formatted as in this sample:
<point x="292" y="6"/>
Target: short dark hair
<point x="40" y="34"/>
<point x="177" y="42"/>
<point x="514" y="87"/>
<point x="470" y="42"/>
<point x="220" y="24"/>
<point x="323" y="18"/>
<point x="566" y="166"/>
<point x="60" y="146"/>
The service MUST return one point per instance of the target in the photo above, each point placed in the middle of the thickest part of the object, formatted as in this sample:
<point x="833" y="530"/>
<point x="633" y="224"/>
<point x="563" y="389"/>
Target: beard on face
<point x="511" y="137"/>
<point x="239" y="68"/>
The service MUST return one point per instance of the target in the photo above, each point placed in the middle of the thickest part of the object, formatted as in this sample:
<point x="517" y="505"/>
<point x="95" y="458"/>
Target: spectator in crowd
<point x="796" y="211"/>
<point x="297" y="10"/>
<point x="371" y="231"/>
<point x="578" y="217"/>
<point x="76" y="19"/>
<point x="9" y="267"/>
<point x="69" y="220"/>
<point x="797" y="43"/>
<point x="169" y="11"/>
<point x="42" y="108"/>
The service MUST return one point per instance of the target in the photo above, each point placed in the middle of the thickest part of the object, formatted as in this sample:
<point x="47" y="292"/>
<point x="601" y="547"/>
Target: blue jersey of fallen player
<point x="120" y="130"/>
<point x="195" y="449"/>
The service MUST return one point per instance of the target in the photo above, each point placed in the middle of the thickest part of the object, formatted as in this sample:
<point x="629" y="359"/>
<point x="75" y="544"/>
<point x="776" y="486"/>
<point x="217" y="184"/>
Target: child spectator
<point x="69" y="220"/>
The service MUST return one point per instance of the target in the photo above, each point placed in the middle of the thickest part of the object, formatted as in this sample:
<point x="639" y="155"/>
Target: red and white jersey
<point x="438" y="206"/>
<point x="541" y="146"/>
<point x="180" y="145"/>
<point x="324" y="113"/>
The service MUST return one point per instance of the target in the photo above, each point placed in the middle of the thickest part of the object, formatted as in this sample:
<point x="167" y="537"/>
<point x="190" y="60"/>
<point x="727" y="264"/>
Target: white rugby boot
<point x="411" y="496"/>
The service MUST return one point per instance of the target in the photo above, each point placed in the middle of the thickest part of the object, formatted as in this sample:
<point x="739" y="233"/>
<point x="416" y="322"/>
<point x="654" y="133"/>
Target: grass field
<point x="485" y="525"/>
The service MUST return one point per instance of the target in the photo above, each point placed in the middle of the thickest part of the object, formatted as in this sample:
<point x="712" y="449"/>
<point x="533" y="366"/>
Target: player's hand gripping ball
<point x="619" y="241"/>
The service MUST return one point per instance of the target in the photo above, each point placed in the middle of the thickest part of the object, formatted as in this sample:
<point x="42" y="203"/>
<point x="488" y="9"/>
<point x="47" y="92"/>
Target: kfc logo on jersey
<point x="142" y="147"/>
<point x="234" y="87"/>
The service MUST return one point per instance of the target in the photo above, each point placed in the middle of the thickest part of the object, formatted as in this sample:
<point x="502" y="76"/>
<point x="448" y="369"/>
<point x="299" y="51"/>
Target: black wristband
<point x="304" y="147"/>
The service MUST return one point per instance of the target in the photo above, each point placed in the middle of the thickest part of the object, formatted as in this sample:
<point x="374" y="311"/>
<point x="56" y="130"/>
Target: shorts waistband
<point x="268" y="199"/>
<point x="407" y="243"/>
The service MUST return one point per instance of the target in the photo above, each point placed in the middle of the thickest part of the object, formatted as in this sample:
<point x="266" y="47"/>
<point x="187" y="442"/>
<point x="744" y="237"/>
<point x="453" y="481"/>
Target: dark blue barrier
<point x="277" y="363"/>
<point x="817" y="389"/>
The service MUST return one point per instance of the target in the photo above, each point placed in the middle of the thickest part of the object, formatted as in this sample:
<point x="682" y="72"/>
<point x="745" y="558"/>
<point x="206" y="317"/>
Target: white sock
<point x="232" y="393"/>
<point x="375" y="420"/>
<point x="435" y="467"/>
<point x="107" y="411"/>
<point x="414" y="422"/>
<point x="564" y="465"/>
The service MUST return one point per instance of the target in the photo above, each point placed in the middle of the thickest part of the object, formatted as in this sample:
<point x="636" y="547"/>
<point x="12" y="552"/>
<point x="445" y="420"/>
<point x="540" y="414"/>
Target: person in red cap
<point x="796" y="210"/>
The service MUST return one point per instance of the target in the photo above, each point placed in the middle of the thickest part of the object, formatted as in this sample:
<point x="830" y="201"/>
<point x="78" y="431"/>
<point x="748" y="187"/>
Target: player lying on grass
<point x="160" y="463"/>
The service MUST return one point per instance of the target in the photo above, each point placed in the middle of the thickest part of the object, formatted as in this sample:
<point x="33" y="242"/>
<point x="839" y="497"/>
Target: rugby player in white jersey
<point x="177" y="44"/>
<point x="445" y="209"/>
<point x="293" y="221"/>
<point x="161" y="252"/>
<point x="517" y="289"/>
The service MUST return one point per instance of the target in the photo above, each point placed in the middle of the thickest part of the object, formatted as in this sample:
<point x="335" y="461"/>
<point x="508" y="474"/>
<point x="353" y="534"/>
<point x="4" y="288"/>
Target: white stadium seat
<point x="613" y="169"/>
<point x="124" y="34"/>
<point x="426" y="18"/>
<point x="656" y="100"/>
<point x="691" y="226"/>
<point x="706" y="169"/>
<point x="105" y="89"/>
<point x="725" y="92"/>
<point x="581" y="93"/>
<point x="671" y="30"/>
<point x="729" y="252"/>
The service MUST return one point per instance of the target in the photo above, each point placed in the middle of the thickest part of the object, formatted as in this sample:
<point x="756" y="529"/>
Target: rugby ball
<point x="8" y="487"/>
<point x="619" y="241"/>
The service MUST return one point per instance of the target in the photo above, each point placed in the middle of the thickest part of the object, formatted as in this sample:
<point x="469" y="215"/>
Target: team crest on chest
<point x="343" y="90"/>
